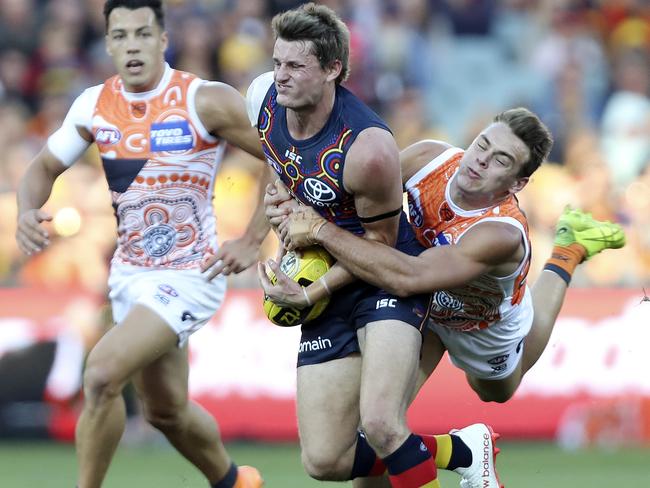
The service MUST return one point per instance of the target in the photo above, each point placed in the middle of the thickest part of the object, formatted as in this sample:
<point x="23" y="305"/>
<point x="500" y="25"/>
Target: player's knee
<point x="381" y="434"/>
<point x="165" y="419"/>
<point x="324" y="467"/>
<point x="100" y="385"/>
<point x="496" y="396"/>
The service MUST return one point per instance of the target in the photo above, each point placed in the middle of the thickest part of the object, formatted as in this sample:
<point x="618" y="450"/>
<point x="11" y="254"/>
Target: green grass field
<point x="521" y="465"/>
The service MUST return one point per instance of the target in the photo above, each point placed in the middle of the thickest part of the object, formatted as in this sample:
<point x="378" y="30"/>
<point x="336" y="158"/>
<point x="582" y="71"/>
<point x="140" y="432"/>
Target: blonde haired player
<point x="463" y="207"/>
<point x="161" y="134"/>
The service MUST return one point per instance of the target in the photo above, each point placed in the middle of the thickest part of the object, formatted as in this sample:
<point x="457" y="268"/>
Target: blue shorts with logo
<point x="333" y="334"/>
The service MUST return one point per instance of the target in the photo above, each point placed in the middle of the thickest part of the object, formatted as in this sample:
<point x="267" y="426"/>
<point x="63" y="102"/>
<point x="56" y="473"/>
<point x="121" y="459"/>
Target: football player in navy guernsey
<point x="357" y="362"/>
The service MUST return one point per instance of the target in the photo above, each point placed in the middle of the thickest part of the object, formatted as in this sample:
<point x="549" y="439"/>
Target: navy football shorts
<point x="333" y="334"/>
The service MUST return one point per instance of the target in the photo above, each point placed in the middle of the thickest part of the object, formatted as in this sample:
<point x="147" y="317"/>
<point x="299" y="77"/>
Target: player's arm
<point x="372" y="175"/>
<point x="33" y="191"/>
<point x="490" y="247"/>
<point x="222" y="110"/>
<point x="63" y="148"/>
<point x="236" y="255"/>
<point x="416" y="156"/>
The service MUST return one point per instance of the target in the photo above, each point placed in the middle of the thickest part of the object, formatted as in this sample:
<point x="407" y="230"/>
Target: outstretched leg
<point x="578" y="237"/>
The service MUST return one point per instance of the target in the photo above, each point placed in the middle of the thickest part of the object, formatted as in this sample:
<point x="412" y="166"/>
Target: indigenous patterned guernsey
<point x="438" y="222"/>
<point x="312" y="169"/>
<point x="160" y="163"/>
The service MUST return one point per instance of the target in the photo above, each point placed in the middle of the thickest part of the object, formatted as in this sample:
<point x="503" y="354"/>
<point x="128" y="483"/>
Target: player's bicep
<point x="448" y="267"/>
<point x="74" y="136"/>
<point x="68" y="144"/>
<point x="482" y="250"/>
<point x="372" y="175"/>
<point x="222" y="110"/>
<point x="50" y="163"/>
<point x="419" y="154"/>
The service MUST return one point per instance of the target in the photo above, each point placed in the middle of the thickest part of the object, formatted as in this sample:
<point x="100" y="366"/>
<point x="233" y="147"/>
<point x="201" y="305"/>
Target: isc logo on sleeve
<point x="171" y="136"/>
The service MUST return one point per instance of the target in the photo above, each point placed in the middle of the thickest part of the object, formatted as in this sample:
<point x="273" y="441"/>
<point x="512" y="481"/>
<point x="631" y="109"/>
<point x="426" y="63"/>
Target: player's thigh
<point x="328" y="407"/>
<point x="141" y="338"/>
<point x="391" y="356"/>
<point x="497" y="390"/>
<point x="163" y="385"/>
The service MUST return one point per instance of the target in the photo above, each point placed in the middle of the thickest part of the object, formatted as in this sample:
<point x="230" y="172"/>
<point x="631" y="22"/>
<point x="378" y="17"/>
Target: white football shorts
<point x="183" y="298"/>
<point x="491" y="353"/>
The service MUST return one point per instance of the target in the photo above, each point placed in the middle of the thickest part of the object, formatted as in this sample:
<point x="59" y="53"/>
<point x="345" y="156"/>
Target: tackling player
<point x="463" y="207"/>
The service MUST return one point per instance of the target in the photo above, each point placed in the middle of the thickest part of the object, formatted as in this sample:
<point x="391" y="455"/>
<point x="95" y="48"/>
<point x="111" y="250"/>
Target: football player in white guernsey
<point x="462" y="204"/>
<point x="161" y="135"/>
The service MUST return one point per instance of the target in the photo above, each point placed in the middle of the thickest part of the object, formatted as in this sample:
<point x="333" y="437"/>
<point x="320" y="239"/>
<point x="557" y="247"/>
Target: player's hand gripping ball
<point x="304" y="267"/>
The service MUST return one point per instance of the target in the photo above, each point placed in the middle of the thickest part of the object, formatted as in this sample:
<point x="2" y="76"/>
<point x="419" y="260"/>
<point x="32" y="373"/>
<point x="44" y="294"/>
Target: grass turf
<point x="521" y="465"/>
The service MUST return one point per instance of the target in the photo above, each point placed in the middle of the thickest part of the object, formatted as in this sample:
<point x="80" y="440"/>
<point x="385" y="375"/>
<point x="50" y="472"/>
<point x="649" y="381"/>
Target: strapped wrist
<point x="316" y="229"/>
<point x="304" y="291"/>
<point x="324" y="283"/>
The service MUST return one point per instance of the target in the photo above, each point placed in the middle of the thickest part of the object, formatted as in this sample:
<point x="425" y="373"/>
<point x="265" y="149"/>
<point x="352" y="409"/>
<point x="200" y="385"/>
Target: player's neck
<point x="473" y="200"/>
<point x="307" y="121"/>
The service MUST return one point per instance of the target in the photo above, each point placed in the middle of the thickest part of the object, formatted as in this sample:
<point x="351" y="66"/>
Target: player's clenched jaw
<point x="300" y="80"/>
<point x="136" y="43"/>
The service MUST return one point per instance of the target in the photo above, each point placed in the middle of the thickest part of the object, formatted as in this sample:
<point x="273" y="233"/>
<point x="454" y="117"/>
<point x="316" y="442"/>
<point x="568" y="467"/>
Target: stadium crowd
<point x="432" y="68"/>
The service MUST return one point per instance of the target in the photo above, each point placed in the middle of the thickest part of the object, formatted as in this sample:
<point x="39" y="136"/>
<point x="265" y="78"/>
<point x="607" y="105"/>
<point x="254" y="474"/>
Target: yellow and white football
<point x="303" y="266"/>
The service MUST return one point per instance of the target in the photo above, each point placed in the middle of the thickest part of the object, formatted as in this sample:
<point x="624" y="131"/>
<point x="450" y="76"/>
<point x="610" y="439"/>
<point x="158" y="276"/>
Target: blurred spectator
<point x="14" y="76"/>
<point x="626" y="118"/>
<point x="431" y="68"/>
<point x="19" y="20"/>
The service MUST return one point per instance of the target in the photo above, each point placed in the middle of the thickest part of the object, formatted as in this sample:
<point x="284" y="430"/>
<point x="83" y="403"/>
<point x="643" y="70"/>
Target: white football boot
<point x="481" y="440"/>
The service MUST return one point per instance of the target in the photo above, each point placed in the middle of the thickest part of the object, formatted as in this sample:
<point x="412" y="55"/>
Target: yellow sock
<point x="443" y="451"/>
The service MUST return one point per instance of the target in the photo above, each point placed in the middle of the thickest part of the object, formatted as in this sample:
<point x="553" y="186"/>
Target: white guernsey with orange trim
<point x="484" y="322"/>
<point x="160" y="164"/>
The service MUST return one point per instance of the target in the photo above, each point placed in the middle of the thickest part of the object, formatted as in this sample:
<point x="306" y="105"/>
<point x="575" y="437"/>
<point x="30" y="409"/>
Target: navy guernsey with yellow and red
<point x="312" y="169"/>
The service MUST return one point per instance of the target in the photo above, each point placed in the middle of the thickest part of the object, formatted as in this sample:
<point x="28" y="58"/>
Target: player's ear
<point x="334" y="70"/>
<point x="107" y="46"/>
<point x="165" y="41"/>
<point x="519" y="184"/>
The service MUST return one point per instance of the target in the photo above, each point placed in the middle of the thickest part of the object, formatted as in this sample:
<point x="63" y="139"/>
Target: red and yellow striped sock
<point x="449" y="451"/>
<point x="412" y="466"/>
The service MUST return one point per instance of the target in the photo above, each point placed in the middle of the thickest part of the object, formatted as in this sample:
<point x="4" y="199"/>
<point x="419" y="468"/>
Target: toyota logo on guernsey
<point x="317" y="192"/>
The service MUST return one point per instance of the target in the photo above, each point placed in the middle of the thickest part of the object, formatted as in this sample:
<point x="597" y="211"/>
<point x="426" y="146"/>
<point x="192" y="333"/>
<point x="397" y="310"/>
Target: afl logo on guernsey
<point x="107" y="135"/>
<point x="174" y="135"/>
<point x="319" y="191"/>
<point x="416" y="214"/>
